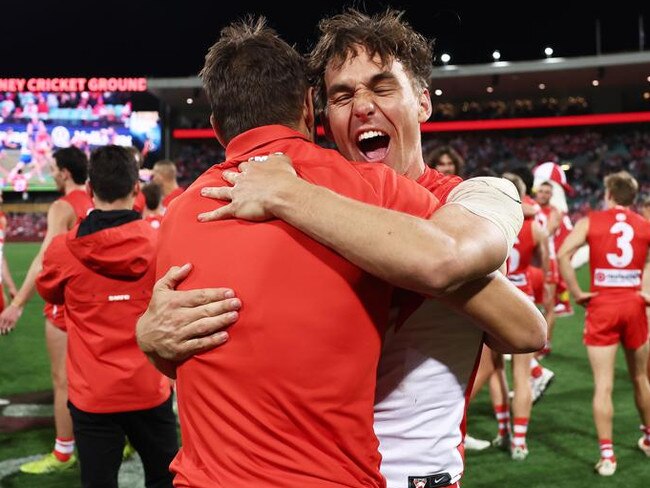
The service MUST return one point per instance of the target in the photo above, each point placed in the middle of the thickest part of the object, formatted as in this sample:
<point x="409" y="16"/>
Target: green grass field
<point x="561" y="435"/>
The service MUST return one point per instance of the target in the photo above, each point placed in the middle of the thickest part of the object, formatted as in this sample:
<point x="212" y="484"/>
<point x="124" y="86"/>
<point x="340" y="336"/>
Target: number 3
<point x="623" y="243"/>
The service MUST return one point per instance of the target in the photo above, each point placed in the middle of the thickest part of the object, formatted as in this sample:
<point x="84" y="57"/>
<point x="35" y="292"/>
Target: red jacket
<point x="105" y="280"/>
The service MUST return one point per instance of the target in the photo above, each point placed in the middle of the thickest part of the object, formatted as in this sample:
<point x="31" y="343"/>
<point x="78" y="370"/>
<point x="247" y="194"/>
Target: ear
<point x="308" y="112"/>
<point x="217" y="132"/>
<point x="66" y="173"/>
<point x="136" y="188"/>
<point x="89" y="189"/>
<point x="425" y="106"/>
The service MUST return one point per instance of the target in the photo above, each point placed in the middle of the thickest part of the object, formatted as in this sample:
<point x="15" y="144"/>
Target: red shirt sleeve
<point x="52" y="279"/>
<point x="398" y="192"/>
<point x="444" y="187"/>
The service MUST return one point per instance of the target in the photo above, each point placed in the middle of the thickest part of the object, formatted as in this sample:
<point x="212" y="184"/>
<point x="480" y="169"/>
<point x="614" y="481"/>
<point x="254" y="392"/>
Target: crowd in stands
<point x="26" y="226"/>
<point x="470" y="110"/>
<point x="500" y="109"/>
<point x="193" y="159"/>
<point x="588" y="155"/>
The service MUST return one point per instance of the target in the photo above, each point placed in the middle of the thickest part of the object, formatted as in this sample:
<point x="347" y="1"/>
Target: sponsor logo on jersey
<point x="617" y="277"/>
<point x="119" y="298"/>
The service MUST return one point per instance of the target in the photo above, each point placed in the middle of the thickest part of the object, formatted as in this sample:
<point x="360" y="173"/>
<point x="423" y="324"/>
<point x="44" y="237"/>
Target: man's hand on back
<point x="180" y="324"/>
<point x="255" y="189"/>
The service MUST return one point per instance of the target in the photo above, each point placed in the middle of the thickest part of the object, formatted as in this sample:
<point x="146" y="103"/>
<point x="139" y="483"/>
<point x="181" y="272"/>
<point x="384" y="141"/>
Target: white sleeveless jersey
<point x="427" y="364"/>
<point x="422" y="384"/>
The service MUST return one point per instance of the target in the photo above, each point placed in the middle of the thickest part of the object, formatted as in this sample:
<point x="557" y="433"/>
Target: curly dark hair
<point x="433" y="157"/>
<point x="385" y="34"/>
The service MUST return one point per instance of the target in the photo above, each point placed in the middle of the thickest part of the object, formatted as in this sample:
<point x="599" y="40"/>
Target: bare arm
<point x="517" y="328"/>
<point x="60" y="217"/>
<point x="554" y="221"/>
<point x="7" y="278"/>
<point x="431" y="257"/>
<point x="541" y="246"/>
<point x="529" y="210"/>
<point x="574" y="240"/>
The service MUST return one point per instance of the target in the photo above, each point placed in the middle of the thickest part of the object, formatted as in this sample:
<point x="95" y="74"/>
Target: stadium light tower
<point x="548" y="51"/>
<point x="445" y="58"/>
<point x="496" y="55"/>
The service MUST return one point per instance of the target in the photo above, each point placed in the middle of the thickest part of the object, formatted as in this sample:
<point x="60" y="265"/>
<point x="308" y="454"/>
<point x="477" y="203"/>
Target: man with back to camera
<point x="164" y="175"/>
<point x="103" y="269"/>
<point x="399" y="140"/>
<point x="298" y="411"/>
<point x="618" y="241"/>
<point x="69" y="171"/>
<point x="153" y="210"/>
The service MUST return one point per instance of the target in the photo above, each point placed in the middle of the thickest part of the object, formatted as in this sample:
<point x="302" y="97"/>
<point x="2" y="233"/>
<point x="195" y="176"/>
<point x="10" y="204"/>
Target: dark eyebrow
<point x="383" y="76"/>
<point x="375" y="80"/>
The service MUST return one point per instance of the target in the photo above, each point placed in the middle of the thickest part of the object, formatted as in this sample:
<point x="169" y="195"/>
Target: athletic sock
<point x="502" y="414"/>
<point x="646" y="435"/>
<point x="606" y="449"/>
<point x="520" y="427"/>
<point x="63" y="448"/>
<point x="535" y="368"/>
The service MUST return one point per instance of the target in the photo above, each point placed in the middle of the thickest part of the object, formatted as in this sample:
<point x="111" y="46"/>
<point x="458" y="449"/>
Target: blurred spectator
<point x="446" y="160"/>
<point x="26" y="226"/>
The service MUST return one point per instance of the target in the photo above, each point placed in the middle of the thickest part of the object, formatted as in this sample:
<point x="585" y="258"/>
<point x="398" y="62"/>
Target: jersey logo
<point x="119" y="298"/>
<point x="617" y="277"/>
<point x="431" y="481"/>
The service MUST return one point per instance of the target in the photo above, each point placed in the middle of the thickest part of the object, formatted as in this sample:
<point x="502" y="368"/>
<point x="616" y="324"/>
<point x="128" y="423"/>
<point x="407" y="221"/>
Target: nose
<point x="364" y="105"/>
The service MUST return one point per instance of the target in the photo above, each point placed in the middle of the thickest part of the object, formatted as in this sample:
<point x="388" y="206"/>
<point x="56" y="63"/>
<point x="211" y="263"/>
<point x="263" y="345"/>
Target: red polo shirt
<point x="288" y="401"/>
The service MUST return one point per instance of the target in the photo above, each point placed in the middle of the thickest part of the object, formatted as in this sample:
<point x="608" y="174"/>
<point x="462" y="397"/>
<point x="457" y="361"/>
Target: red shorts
<point x="536" y="278"/>
<point x="54" y="313"/>
<point x="616" y="317"/>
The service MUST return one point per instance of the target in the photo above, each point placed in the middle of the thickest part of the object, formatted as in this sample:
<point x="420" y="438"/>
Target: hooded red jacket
<point x="105" y="280"/>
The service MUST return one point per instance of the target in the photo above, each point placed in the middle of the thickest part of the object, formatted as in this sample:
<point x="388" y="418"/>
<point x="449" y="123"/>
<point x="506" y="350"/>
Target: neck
<point x="71" y="186"/>
<point x="415" y="170"/>
<point x="169" y="187"/>
<point x="612" y="204"/>
<point x="120" y="204"/>
<point x="303" y="129"/>
<point x="146" y="212"/>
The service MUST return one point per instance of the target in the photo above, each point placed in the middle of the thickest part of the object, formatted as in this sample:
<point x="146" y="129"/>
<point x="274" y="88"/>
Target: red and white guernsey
<point x="618" y="247"/>
<point x="425" y="374"/>
<point x="543" y="217"/>
<point x="82" y="205"/>
<point x="428" y="362"/>
<point x="521" y="257"/>
<point x="565" y="228"/>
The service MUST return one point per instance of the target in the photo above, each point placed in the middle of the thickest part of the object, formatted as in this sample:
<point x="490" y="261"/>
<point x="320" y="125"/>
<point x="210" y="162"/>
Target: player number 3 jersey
<point x="618" y="241"/>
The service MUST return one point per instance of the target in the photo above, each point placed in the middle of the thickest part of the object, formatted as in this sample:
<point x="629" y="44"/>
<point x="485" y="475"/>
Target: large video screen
<point x="34" y="124"/>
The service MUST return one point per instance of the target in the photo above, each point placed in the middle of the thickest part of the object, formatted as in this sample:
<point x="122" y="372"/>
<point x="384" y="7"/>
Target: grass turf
<point x="561" y="437"/>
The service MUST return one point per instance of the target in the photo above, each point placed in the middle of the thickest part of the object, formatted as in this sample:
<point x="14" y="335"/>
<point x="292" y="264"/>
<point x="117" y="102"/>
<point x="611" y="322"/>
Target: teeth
<point x="370" y="134"/>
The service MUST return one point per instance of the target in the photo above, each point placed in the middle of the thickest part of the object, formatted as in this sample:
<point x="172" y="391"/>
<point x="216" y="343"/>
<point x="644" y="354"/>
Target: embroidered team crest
<point x="420" y="483"/>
